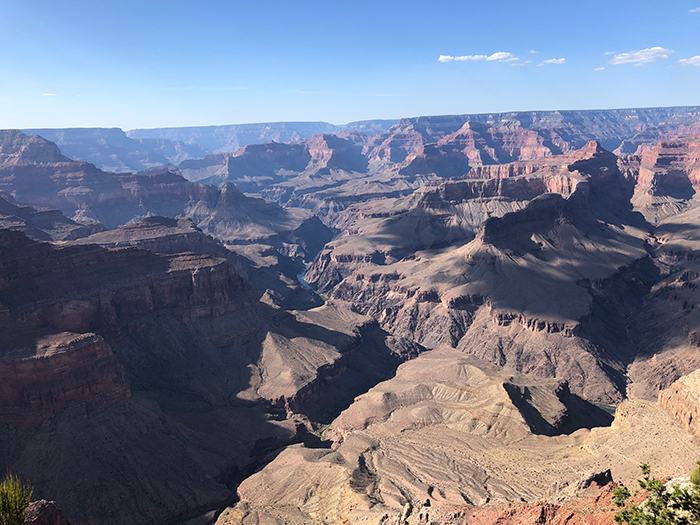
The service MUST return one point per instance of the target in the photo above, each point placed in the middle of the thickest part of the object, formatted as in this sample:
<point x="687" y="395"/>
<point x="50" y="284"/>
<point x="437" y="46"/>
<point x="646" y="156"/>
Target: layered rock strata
<point x="558" y="235"/>
<point x="32" y="170"/>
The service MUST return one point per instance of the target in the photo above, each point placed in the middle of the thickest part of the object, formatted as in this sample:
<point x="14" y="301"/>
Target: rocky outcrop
<point x="251" y="168"/>
<point x="64" y="371"/>
<point x="255" y="167"/>
<point x="667" y="177"/>
<point x="17" y="149"/>
<point x="159" y="235"/>
<point x="44" y="512"/>
<point x="477" y="144"/>
<point x="682" y="400"/>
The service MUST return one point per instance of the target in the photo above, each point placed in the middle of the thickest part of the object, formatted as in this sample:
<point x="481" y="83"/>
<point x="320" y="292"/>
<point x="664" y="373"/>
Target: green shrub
<point x="663" y="506"/>
<point x="15" y="496"/>
<point x="695" y="476"/>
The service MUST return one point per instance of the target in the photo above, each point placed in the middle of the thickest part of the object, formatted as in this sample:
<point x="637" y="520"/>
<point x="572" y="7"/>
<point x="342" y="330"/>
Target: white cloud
<point x="50" y="95"/>
<point x="500" y="56"/>
<point x="692" y="61"/>
<point x="643" y="56"/>
<point x="599" y="69"/>
<point x="696" y="10"/>
<point x="609" y="53"/>
<point x="554" y="61"/>
<point x="472" y="57"/>
<point x="518" y="64"/>
<point x="532" y="52"/>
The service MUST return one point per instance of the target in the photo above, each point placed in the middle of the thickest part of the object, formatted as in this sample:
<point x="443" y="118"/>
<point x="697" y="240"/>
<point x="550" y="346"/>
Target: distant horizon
<point x="126" y="130"/>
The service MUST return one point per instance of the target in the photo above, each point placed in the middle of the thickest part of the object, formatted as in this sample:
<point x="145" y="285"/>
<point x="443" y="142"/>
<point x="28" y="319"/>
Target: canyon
<point x="479" y="295"/>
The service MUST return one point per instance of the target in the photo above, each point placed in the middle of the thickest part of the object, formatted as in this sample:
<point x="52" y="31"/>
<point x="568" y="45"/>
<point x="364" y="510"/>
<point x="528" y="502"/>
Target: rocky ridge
<point x="448" y="439"/>
<point x="398" y="161"/>
<point x="224" y="139"/>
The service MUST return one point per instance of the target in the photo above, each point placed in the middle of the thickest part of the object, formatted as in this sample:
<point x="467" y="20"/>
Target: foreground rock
<point x="44" y="512"/>
<point x="682" y="400"/>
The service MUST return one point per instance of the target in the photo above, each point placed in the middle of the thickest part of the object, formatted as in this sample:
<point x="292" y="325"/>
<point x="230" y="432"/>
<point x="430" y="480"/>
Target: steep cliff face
<point x="682" y="400"/>
<point x="62" y="371"/>
<point x="666" y="326"/>
<point x="667" y="177"/>
<point x="119" y="294"/>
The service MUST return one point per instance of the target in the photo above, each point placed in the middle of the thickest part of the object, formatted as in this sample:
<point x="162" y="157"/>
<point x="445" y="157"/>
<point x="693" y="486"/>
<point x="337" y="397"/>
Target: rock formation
<point x="449" y="435"/>
<point x="682" y="400"/>
<point x="34" y="172"/>
<point x="44" y="512"/>
<point x="227" y="139"/>
<point x="435" y="271"/>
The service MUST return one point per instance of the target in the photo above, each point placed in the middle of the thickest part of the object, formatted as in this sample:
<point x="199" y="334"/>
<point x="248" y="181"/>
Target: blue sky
<point x="152" y="63"/>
